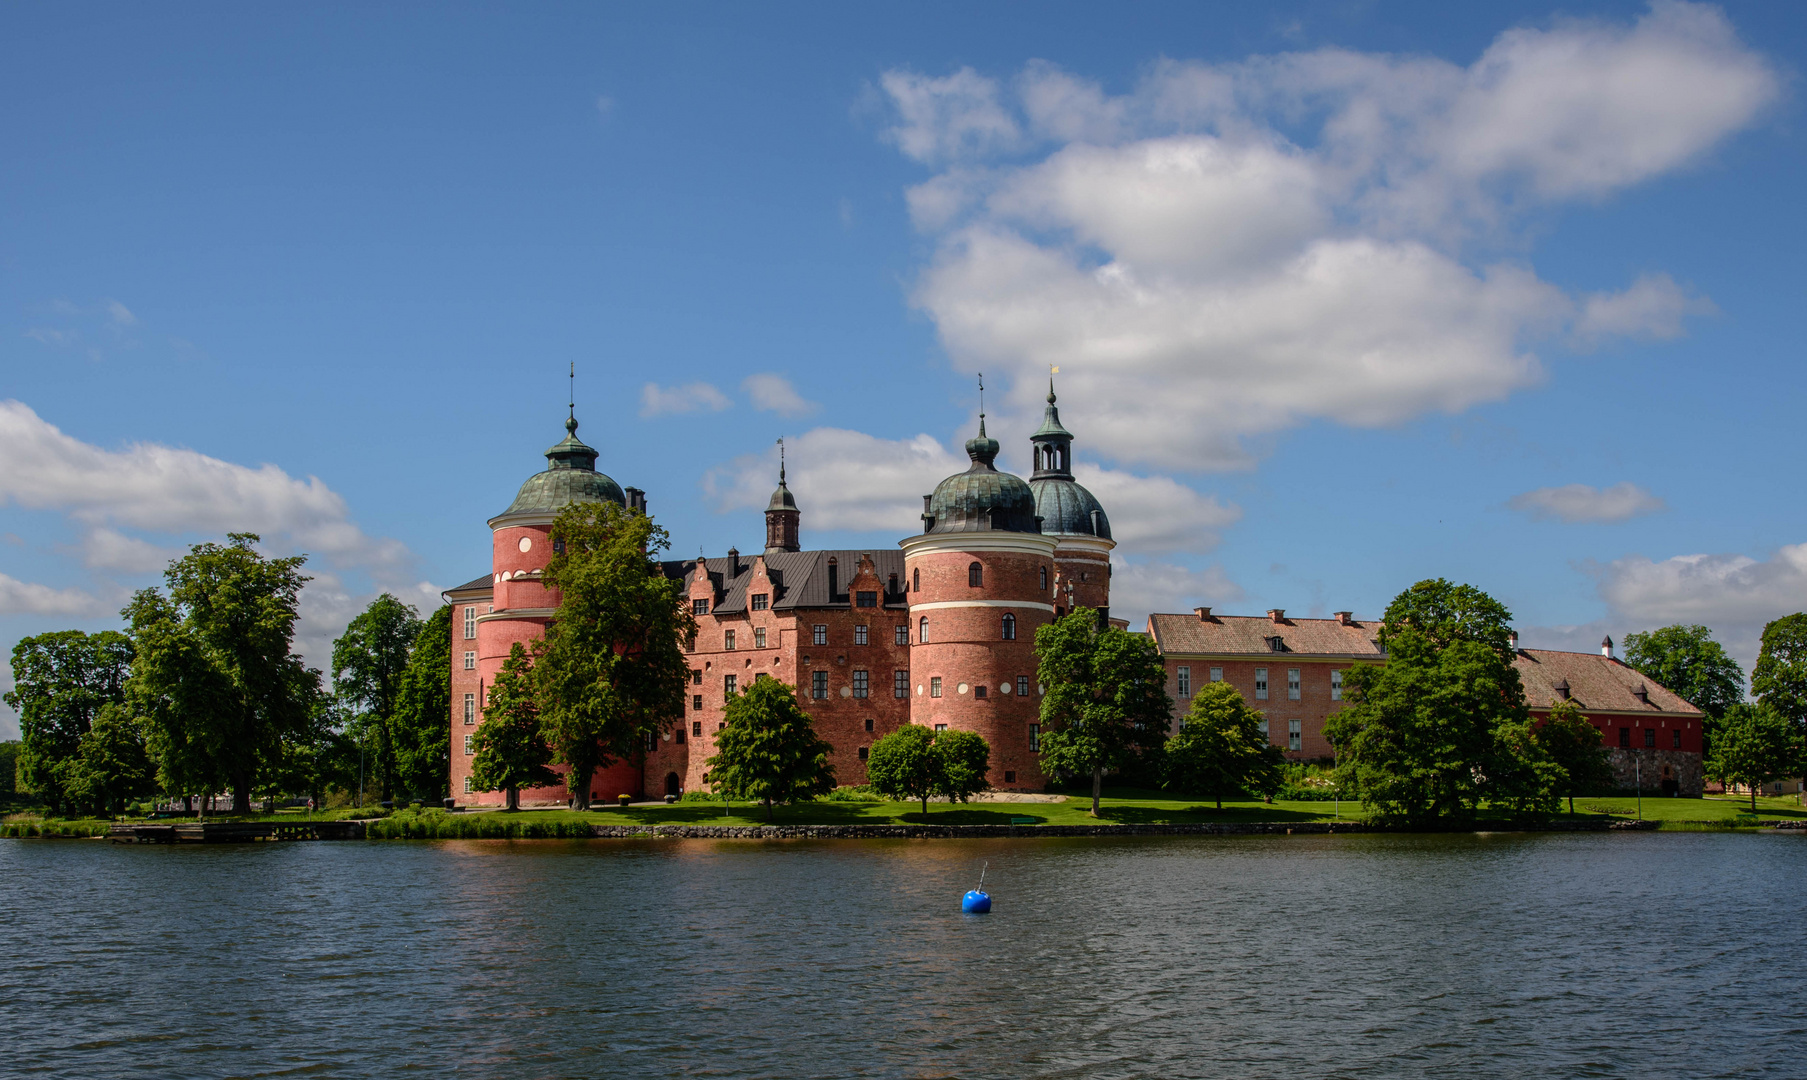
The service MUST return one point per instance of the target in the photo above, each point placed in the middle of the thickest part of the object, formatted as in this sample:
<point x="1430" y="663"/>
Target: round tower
<point x="1071" y="515"/>
<point x="981" y="580"/>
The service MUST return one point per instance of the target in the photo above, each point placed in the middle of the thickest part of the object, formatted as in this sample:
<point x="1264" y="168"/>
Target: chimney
<point x="1606" y="647"/>
<point x="733" y="562"/>
<point x="928" y="519"/>
<point x="1277" y="614"/>
<point x="1512" y="640"/>
<point x="1345" y="618"/>
<point x="1204" y="614"/>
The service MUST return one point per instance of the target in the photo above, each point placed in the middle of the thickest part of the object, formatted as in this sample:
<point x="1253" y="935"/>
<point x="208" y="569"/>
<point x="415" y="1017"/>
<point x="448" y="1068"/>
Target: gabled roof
<point x="486" y="583"/>
<point x="799" y="578"/>
<point x="1594" y="682"/>
<point x="1253" y="634"/>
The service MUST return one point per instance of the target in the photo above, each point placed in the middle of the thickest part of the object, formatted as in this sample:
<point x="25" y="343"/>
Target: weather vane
<point x="981" y="395"/>
<point x="781" y="459"/>
<point x="573" y="389"/>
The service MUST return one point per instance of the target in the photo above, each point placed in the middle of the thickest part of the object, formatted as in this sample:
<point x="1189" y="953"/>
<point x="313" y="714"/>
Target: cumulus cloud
<point x="1156" y="514"/>
<point x="842" y="479"/>
<point x="1139" y="589"/>
<point x="656" y="400"/>
<point x="774" y="393"/>
<point x="1734" y="594"/>
<point x="1580" y="502"/>
<point x="1290" y="238"/>
<point x="110" y="549"/>
<point x="24" y="598"/>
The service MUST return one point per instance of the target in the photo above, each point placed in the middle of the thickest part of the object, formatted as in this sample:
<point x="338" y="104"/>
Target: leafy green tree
<point x="9" y="769"/>
<point x="1577" y="748"/>
<point x="1756" y="744"/>
<point x="61" y="682"/>
<point x="113" y="765"/>
<point x="904" y="765"/>
<point x="422" y="726"/>
<point x="511" y="750"/>
<point x="1687" y="661"/>
<point x="768" y="750"/>
<point x="611" y="669"/>
<point x="965" y="759"/>
<point x="370" y="662"/>
<point x="1443" y="724"/>
<point x="1779" y="680"/>
<point x="1107" y="706"/>
<point x="223" y="696"/>
<point x="1220" y="748"/>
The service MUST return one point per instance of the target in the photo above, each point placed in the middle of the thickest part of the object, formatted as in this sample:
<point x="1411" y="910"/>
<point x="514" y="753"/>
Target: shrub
<point x="854" y="793"/>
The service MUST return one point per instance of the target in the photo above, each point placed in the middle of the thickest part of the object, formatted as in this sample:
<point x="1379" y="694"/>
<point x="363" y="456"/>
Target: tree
<point x="511" y="750"/>
<point x="9" y="769"/>
<point x="1687" y="661"/>
<point x="370" y="661"/>
<point x="1756" y="744"/>
<point x="1779" y="680"/>
<point x="112" y="766"/>
<point x="1576" y="747"/>
<point x="1443" y="724"/>
<point x="422" y="729"/>
<point x="1106" y="706"/>
<point x="611" y="669"/>
<point x="768" y="750"/>
<point x="904" y="765"/>
<point x="61" y="682"/>
<point x="1220" y="748"/>
<point x="965" y="759"/>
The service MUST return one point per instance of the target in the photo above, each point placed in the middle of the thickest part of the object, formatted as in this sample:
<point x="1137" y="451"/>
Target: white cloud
<point x="1156" y="514"/>
<point x="60" y="339"/>
<point x="1141" y="588"/>
<point x="120" y="314"/>
<point x="656" y="400"/>
<point x="24" y="598"/>
<point x="110" y="549"/>
<point x="842" y="479"/>
<point x="774" y="393"/>
<point x="1258" y="245"/>
<point x="1734" y="594"/>
<point x="1579" y="502"/>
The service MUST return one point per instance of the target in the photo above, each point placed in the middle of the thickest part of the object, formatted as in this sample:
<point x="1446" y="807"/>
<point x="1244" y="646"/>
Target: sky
<point x="1344" y="295"/>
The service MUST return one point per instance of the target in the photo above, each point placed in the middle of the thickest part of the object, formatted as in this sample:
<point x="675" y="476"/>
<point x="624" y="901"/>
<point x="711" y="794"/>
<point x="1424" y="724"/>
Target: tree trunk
<point x="925" y="805"/>
<point x="1571" y="806"/>
<point x="768" y="809"/>
<point x="1097" y="785"/>
<point x="188" y="804"/>
<point x="1753" y="796"/>
<point x="580" y="796"/>
<point x="241" y="794"/>
<point x="511" y="798"/>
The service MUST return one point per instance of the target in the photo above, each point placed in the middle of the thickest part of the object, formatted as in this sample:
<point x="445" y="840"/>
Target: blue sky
<point x="1345" y="295"/>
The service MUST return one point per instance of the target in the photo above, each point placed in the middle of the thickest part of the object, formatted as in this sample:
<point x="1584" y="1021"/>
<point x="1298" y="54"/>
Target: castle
<point x="941" y="632"/>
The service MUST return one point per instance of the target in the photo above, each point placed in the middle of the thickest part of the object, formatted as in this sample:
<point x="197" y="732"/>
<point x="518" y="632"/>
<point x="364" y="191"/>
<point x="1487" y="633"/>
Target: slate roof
<point x="799" y="578"/>
<point x="1595" y="682"/>
<point x="1251" y="634"/>
<point x="486" y="583"/>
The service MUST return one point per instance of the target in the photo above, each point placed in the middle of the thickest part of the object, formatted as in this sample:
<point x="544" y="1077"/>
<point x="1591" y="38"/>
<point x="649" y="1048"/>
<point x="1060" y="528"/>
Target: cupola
<point x="570" y="476"/>
<point x="1065" y="507"/>
<point x="782" y="518"/>
<point x="981" y="499"/>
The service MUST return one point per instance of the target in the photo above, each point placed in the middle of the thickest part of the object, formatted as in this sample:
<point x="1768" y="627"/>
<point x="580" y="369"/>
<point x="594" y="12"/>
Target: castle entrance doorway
<point x="672" y="786"/>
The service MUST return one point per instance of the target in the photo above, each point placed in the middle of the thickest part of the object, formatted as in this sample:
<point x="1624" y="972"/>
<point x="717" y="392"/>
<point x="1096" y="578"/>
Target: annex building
<point x="940" y="631"/>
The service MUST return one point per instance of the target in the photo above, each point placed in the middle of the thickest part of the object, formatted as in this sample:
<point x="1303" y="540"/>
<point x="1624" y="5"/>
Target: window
<point x="470" y="745"/>
<point x="900" y="684"/>
<point x="728" y="639"/>
<point x="975" y="575"/>
<point x="760" y="600"/>
<point x="891" y="585"/>
<point x="818" y="685"/>
<point x="1217" y="674"/>
<point x="558" y="547"/>
<point x="868" y="723"/>
<point x="652" y="741"/>
<point x="760" y="675"/>
<point x="1183" y="682"/>
<point x="470" y="709"/>
<point x="818" y="634"/>
<point x="1044" y="579"/>
<point x="1677" y="737"/>
<point x="1022" y="686"/>
<point x="1035" y="738"/>
<point x="1261" y="684"/>
<point x="1292" y="684"/>
<point x="940" y="727"/>
<point x="696" y="676"/>
<point x="759" y="637"/>
<point x="916" y="580"/>
<point x="699" y="606"/>
<point x="935" y="686"/>
<point x="696" y="729"/>
<point x="1009" y="627"/>
<point x="1650" y="737"/>
<point x="1625" y="737"/>
<point x="470" y="661"/>
<point x="729" y="685"/>
<point x="864" y="750"/>
<point x="1010" y="776"/>
<point x="470" y="624"/>
<point x="696" y="702"/>
<point x="859" y="684"/>
<point x="1294" y="734"/>
<point x="1336" y="686"/>
<point x="865" y="599"/>
<point x="1263" y="727"/>
<point x="979" y="691"/>
<point x="859" y="635"/>
<point x="902" y="634"/>
<point x="467" y="785"/>
<point x="922" y="630"/>
<point x="678" y="735"/>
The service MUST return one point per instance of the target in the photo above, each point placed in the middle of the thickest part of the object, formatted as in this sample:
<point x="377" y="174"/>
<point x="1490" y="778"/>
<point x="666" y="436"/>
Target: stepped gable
<point x="1595" y="682"/>
<point x="1241" y="634"/>
<point x="799" y="578"/>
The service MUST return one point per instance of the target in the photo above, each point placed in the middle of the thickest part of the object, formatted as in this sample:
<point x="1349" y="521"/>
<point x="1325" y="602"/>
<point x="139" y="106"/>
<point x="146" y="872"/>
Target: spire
<point x="781" y="515"/>
<point x="983" y="449"/>
<point x="1053" y="444"/>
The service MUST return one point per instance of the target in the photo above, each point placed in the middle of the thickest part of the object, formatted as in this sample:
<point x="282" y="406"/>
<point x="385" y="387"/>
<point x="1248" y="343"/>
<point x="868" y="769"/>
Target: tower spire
<point x="981" y="403"/>
<point x="573" y="413"/>
<point x="781" y="460"/>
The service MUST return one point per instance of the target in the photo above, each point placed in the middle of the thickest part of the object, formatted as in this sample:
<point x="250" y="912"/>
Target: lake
<point x="1491" y="955"/>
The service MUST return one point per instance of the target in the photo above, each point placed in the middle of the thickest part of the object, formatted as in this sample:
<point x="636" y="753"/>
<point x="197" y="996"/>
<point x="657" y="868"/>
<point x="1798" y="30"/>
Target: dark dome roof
<point x="570" y="477"/>
<point x="1066" y="507"/>
<point x="782" y="499"/>
<point x="982" y="499"/>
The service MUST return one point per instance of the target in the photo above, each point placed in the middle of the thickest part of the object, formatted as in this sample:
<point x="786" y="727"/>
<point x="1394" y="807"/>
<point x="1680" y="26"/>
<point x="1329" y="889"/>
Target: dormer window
<point x="1562" y="689"/>
<point x="1641" y="692"/>
<point x="1276" y="644"/>
<point x="760" y="600"/>
<point x="699" y="606"/>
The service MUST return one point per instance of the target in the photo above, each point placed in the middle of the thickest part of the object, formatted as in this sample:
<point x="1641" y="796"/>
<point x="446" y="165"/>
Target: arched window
<point x="916" y="580"/>
<point x="1044" y="579"/>
<point x="922" y="630"/>
<point x="1009" y="627"/>
<point x="975" y="575"/>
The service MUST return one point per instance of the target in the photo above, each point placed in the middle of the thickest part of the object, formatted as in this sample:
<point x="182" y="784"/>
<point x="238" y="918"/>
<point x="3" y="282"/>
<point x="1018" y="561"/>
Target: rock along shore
<point x="953" y="832"/>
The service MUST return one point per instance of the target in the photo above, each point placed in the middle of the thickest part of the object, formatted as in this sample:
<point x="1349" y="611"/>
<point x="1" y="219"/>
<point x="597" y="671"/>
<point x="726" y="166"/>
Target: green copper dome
<point x="570" y="477"/>
<point x="1064" y="505"/>
<point x="981" y="499"/>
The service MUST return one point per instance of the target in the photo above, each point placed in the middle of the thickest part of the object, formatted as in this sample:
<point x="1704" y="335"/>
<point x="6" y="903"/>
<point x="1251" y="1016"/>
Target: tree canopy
<point x="421" y="724"/>
<point x="916" y="763"/>
<point x="511" y="750"/>
<point x="370" y="662"/>
<point x="61" y="682"/>
<point x="1577" y="748"/>
<point x="1780" y="678"/>
<point x="611" y="669"/>
<point x="1755" y="744"/>
<point x="1220" y="748"/>
<point x="1106" y="705"/>
<point x="1687" y="661"/>
<point x="767" y="750"/>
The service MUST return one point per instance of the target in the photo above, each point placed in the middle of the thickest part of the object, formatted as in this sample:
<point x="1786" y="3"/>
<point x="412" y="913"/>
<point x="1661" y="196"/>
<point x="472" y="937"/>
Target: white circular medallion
<point x="918" y="689"/>
<point x="962" y="688"/>
<point x="846" y="691"/>
<point x="1003" y="688"/>
<point x="526" y="543"/>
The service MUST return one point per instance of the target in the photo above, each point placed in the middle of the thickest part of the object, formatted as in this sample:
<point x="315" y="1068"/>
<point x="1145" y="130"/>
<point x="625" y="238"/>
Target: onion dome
<point x="570" y="477"/>
<point x="1064" y="505"/>
<point x="981" y="499"/>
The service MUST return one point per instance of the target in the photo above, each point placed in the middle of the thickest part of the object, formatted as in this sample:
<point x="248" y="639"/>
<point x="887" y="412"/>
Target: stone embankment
<point x="952" y="832"/>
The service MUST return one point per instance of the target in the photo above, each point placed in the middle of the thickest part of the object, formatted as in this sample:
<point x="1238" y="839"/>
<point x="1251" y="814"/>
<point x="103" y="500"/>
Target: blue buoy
<point x="978" y="901"/>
